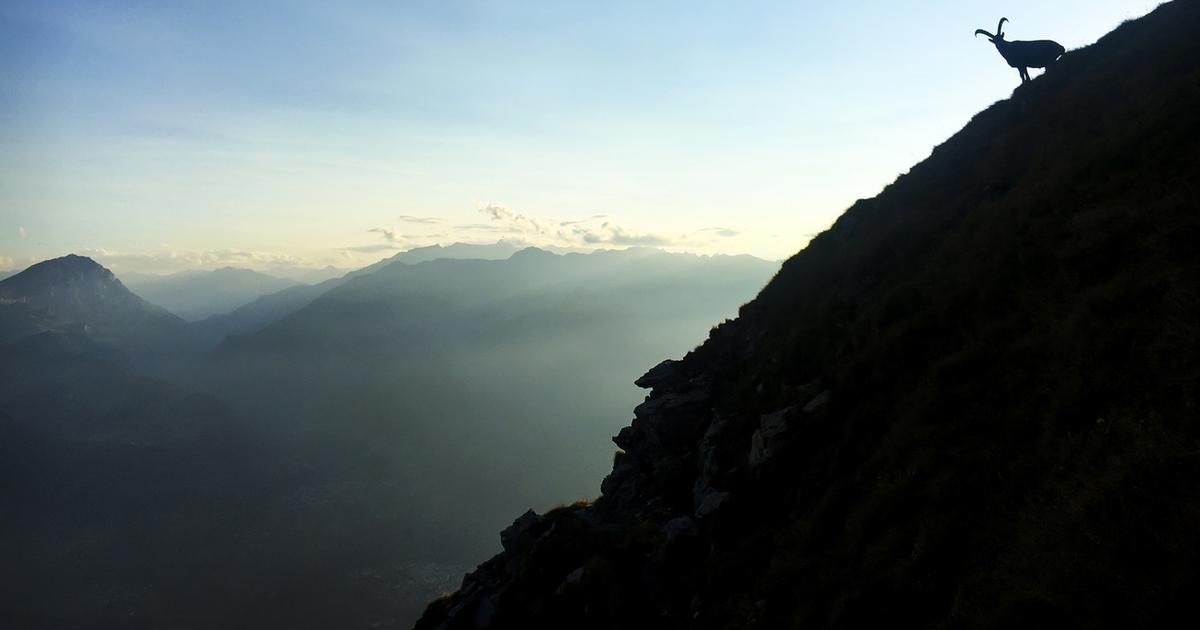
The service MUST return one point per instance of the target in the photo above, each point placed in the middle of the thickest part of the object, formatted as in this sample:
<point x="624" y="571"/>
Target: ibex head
<point x="999" y="34"/>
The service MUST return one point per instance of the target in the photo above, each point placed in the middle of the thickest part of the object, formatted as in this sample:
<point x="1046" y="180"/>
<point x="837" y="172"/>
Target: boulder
<point x="519" y="533"/>
<point x="770" y="436"/>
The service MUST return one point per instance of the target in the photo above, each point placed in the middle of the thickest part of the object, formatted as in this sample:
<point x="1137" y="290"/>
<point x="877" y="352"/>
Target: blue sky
<point x="158" y="136"/>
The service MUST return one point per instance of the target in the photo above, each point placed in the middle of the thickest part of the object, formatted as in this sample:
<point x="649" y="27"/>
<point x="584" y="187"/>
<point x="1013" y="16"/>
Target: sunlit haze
<point x="157" y="137"/>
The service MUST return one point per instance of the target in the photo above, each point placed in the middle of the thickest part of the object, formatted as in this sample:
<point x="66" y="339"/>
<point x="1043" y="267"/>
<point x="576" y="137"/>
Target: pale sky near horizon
<point x="160" y="136"/>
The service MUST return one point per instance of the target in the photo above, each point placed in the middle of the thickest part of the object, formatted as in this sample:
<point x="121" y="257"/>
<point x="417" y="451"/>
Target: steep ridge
<point x="969" y="403"/>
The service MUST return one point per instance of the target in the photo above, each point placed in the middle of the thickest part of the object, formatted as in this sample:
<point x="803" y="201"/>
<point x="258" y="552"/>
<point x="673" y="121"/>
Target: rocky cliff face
<point x="970" y="403"/>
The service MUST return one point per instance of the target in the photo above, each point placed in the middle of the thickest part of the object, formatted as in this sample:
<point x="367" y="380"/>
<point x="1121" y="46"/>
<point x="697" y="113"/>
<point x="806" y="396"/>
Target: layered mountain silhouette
<point x="474" y="377"/>
<point x="195" y="295"/>
<point x="110" y="477"/>
<point x="255" y="315"/>
<point x="971" y="403"/>
<point x="255" y="485"/>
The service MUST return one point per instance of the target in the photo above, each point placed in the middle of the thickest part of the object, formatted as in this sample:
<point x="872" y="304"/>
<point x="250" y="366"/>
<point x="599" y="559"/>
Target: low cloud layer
<point x="172" y="261"/>
<point x="408" y="218"/>
<point x="499" y="223"/>
<point x="598" y="231"/>
<point x="723" y="232"/>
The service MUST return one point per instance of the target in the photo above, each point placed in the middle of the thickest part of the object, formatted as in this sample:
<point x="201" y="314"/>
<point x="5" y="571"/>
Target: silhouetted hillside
<point x="972" y="402"/>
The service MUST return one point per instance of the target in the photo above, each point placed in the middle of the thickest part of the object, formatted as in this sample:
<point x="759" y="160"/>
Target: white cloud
<point x="609" y="234"/>
<point x="723" y="232"/>
<point x="516" y="222"/>
<point x="23" y="233"/>
<point x="390" y="235"/>
<point x="594" y="232"/>
<point x="408" y="218"/>
<point x="374" y="247"/>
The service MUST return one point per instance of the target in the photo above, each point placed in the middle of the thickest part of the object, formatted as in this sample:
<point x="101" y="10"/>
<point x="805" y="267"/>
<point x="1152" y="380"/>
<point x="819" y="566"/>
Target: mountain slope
<point x="267" y="309"/>
<point x="73" y="292"/>
<point x="970" y="403"/>
<point x="259" y="313"/>
<point x="195" y="295"/>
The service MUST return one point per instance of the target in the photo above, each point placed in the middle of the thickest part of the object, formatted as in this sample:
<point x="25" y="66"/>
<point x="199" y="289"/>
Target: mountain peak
<point x="77" y="291"/>
<point x="531" y="252"/>
<point x="65" y="268"/>
<point x="69" y="278"/>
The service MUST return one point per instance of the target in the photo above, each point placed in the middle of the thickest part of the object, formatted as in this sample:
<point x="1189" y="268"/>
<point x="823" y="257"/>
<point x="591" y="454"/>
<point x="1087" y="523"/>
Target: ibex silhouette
<point x="1024" y="55"/>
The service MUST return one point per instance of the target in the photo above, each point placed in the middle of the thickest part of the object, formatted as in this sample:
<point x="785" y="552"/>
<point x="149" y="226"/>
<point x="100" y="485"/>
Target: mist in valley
<point x="344" y="451"/>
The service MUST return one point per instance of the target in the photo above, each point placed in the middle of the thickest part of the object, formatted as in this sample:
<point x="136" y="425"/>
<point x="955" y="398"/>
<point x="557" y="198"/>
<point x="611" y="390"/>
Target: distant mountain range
<point x="254" y="315"/>
<point x="507" y="366"/>
<point x="195" y="295"/>
<point x="322" y="423"/>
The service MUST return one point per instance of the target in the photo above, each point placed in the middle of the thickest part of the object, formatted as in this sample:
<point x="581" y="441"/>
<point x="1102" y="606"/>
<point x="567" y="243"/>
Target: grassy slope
<point x="1009" y="333"/>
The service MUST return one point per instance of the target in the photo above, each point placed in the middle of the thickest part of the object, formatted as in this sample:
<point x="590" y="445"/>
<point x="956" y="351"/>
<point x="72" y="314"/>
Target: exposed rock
<point x="769" y="439"/>
<point x="669" y="403"/>
<point x="518" y="534"/>
<point x="679" y="527"/>
<point x="821" y="400"/>
<point x="667" y="371"/>
<point x="711" y="501"/>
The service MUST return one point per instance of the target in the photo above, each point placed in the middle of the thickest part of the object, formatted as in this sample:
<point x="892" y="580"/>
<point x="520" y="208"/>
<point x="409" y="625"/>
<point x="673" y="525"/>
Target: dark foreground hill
<point x="970" y="403"/>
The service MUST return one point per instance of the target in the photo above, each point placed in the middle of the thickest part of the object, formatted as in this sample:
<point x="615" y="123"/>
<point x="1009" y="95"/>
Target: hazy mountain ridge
<point x="347" y="428"/>
<point x="195" y="295"/>
<point x="970" y="403"/>
<point x="266" y="309"/>
<point x="499" y="250"/>
<point x="408" y="357"/>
